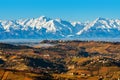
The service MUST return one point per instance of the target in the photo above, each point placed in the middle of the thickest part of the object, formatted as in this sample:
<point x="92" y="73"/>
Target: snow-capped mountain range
<point x="47" y="28"/>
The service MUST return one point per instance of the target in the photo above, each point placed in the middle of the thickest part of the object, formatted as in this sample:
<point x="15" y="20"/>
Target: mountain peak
<point x="101" y="18"/>
<point x="58" y="20"/>
<point x="44" y="18"/>
<point x="58" y="29"/>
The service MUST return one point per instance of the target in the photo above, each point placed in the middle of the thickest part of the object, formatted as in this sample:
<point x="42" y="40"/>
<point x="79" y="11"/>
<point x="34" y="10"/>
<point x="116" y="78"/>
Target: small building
<point x="71" y="67"/>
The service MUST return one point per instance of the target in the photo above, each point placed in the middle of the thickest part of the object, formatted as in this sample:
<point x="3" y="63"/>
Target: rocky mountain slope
<point x="47" y="28"/>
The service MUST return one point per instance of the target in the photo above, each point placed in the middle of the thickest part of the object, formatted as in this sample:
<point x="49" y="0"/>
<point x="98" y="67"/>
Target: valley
<point x="64" y="60"/>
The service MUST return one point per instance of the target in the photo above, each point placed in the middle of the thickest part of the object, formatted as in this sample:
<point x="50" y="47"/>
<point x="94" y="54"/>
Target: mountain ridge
<point x="44" y="27"/>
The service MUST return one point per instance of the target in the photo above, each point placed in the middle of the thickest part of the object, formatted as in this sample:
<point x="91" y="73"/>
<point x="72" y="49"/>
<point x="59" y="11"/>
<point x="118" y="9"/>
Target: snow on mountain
<point x="101" y="28"/>
<point x="47" y="28"/>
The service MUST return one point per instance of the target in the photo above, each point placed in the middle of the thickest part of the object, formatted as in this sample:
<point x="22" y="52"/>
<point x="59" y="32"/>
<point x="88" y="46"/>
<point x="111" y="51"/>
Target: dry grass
<point x="8" y="75"/>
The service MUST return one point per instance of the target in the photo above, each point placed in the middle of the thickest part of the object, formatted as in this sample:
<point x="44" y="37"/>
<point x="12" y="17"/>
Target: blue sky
<point x="72" y="10"/>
